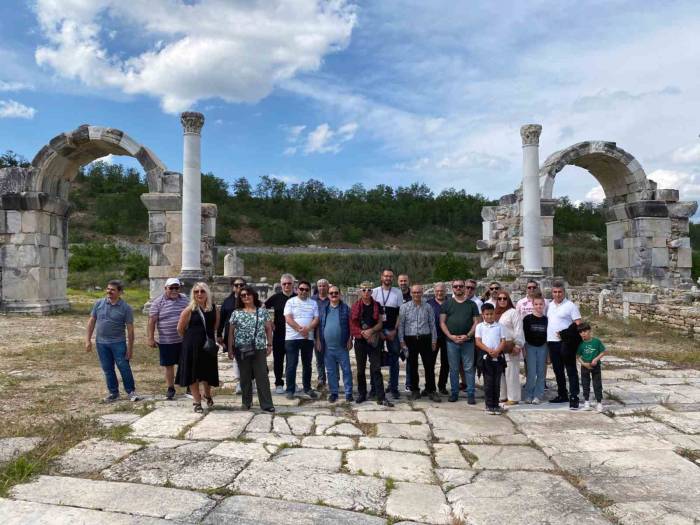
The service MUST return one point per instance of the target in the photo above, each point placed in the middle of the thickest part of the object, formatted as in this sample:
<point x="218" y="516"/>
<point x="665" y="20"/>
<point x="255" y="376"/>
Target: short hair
<point x="287" y="276"/>
<point x="457" y="280"/>
<point x="387" y="269"/>
<point x="470" y="281"/>
<point x="558" y="284"/>
<point x="303" y="281"/>
<point x="439" y="284"/>
<point x="487" y="306"/>
<point x="584" y="327"/>
<point x="241" y="279"/>
<point x="533" y="282"/>
<point x="404" y="275"/>
<point x="334" y="286"/>
<point x="322" y="281"/>
<point x="117" y="284"/>
<point x="495" y="282"/>
<point x="253" y="293"/>
<point x="537" y="296"/>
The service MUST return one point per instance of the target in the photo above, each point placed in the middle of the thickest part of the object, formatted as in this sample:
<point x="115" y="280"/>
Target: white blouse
<point x="513" y="326"/>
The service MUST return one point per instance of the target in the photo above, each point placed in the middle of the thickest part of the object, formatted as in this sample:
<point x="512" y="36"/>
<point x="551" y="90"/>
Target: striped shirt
<point x="416" y="319"/>
<point x="167" y="314"/>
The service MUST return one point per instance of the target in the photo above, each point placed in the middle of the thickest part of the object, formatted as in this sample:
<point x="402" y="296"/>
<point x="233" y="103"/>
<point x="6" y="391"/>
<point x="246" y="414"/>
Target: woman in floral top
<point x="250" y="342"/>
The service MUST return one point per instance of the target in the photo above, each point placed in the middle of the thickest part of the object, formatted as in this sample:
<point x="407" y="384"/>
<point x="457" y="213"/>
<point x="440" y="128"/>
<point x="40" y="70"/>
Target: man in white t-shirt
<point x="471" y="293"/>
<point x="560" y="314"/>
<point x="301" y="316"/>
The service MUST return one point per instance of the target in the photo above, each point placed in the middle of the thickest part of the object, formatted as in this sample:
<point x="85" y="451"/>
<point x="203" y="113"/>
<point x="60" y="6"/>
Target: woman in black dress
<point x="197" y="322"/>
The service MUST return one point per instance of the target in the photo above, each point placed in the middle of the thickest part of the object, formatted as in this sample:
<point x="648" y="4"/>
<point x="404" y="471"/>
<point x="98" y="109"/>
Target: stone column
<point x="531" y="217"/>
<point x="192" y="123"/>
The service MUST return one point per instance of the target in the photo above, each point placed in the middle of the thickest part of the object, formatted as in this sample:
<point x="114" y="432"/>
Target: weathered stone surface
<point x="241" y="450"/>
<point x="139" y="500"/>
<point x="93" y="455"/>
<point x="389" y="464"/>
<point x="343" y="429"/>
<point x="324" y="422"/>
<point x="453" y="477"/>
<point x="16" y="512"/>
<point x="250" y="510"/>
<point x="219" y="425"/>
<point x="391" y="416"/>
<point x="177" y="467"/>
<point x="117" y="419"/>
<point x="280" y="426"/>
<point x="330" y="442"/>
<point x="688" y="422"/>
<point x="311" y="458"/>
<point x="420" y="502"/>
<point x="464" y="426"/>
<point x="271" y="439"/>
<point x="164" y="422"/>
<point x="393" y="430"/>
<point x="398" y="445"/>
<point x="656" y="513"/>
<point x="449" y="455"/>
<point x="10" y="448"/>
<point x="336" y="489"/>
<point x="627" y="439"/>
<point x="508" y="457"/>
<point x="524" y="498"/>
<point x="260" y="423"/>
<point x="532" y="422"/>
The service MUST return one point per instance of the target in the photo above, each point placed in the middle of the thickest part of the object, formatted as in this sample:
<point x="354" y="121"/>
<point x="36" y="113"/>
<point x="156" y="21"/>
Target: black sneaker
<point x="573" y="403"/>
<point x="435" y="397"/>
<point x="415" y="396"/>
<point x="311" y="393"/>
<point x="471" y="400"/>
<point x="333" y="398"/>
<point x="395" y="394"/>
<point x="361" y="399"/>
<point x="452" y="399"/>
<point x="349" y="399"/>
<point x="171" y="393"/>
<point x="558" y="399"/>
<point x="385" y="402"/>
<point x="443" y="391"/>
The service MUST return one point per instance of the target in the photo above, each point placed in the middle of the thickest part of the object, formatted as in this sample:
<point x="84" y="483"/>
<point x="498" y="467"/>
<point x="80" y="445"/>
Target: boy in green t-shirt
<point x="590" y="352"/>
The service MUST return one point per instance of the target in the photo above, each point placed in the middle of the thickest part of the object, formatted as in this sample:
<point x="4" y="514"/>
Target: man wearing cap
<point x="165" y="313"/>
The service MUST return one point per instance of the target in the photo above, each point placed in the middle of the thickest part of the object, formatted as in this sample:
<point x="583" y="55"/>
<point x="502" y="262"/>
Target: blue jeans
<point x="109" y="354"/>
<point x="393" y="347"/>
<point x="536" y="359"/>
<point x="464" y="354"/>
<point x="320" y="368"/>
<point x="292" y="348"/>
<point x="333" y="358"/>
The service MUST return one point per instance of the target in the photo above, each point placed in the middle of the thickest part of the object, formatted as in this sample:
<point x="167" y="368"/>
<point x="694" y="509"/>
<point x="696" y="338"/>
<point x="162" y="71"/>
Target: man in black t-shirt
<point x="277" y="302"/>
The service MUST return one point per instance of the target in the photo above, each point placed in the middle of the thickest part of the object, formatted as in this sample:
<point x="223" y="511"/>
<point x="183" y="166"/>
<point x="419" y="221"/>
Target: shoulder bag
<point x="248" y="350"/>
<point x="210" y="346"/>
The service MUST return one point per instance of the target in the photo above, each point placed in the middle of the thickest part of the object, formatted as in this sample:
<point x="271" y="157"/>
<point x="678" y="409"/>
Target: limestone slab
<point x="401" y="466"/>
<point x="280" y="426"/>
<point x="251" y="510"/>
<point x="118" y="419"/>
<point x="300" y="425"/>
<point x="466" y="425"/>
<point x="139" y="500"/>
<point x="324" y="421"/>
<point x="242" y="450"/>
<point x="271" y="439"/>
<point x="688" y="422"/>
<point x="343" y="429"/>
<point x="392" y="416"/>
<point x="311" y="458"/>
<point x="164" y="422"/>
<point x="336" y="489"/>
<point x="12" y="447"/>
<point x="396" y="444"/>
<point x="397" y="430"/>
<point x="526" y="497"/>
<point x="627" y="439"/>
<point x="260" y="423"/>
<point x="182" y="469"/>
<point x="453" y="477"/>
<point x="16" y="512"/>
<point x="449" y="455"/>
<point x="93" y="455"/>
<point x="220" y="425"/>
<point x="532" y="422"/>
<point x="419" y="502"/>
<point x="656" y="513"/>
<point x="508" y="457"/>
<point x="329" y="442"/>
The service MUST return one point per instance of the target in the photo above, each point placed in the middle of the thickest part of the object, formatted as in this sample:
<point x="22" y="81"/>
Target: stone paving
<point x="315" y="462"/>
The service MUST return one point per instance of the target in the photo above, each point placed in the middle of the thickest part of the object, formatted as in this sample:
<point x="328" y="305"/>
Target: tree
<point x="10" y="159"/>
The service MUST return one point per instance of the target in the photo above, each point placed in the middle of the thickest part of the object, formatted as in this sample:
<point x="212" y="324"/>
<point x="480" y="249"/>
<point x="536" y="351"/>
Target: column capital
<point x="530" y="133"/>
<point x="192" y="122"/>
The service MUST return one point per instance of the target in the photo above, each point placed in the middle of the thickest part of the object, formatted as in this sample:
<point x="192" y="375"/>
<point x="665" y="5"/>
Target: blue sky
<point x="373" y="92"/>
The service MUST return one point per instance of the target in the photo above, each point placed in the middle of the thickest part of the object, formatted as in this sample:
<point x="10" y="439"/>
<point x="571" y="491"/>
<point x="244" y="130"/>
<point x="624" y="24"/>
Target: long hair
<point x="509" y="303"/>
<point x="193" y="303"/>
<point x="250" y="291"/>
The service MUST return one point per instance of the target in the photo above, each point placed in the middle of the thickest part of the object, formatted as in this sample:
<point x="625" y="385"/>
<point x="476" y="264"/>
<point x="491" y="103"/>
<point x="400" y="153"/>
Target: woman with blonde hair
<point x="198" y="359"/>
<point x="509" y="318"/>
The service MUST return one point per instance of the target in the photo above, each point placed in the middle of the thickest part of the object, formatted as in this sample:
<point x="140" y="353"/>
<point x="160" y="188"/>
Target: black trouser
<point x="586" y="375"/>
<point x="362" y="352"/>
<point x="278" y="354"/>
<point x="255" y="367"/>
<point x="492" y="371"/>
<point x="444" y="362"/>
<point x="562" y="362"/>
<point x="421" y="344"/>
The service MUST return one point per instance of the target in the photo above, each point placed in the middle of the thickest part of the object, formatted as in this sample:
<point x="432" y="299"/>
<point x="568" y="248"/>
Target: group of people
<point x="490" y="336"/>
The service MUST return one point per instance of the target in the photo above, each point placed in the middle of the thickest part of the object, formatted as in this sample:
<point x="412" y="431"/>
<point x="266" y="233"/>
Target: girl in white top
<point x="509" y="318"/>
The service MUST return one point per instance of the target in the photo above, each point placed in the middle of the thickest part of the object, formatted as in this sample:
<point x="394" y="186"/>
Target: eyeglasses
<point x="199" y="291"/>
<point x="502" y="299"/>
<point x="333" y="293"/>
<point x="532" y="287"/>
<point x="305" y="289"/>
<point x="174" y="287"/>
<point x="287" y="284"/>
<point x="469" y="287"/>
<point x="365" y="289"/>
<point x="457" y="286"/>
<point x="244" y="295"/>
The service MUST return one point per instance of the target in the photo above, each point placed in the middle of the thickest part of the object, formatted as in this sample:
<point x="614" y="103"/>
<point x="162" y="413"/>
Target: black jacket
<point x="570" y="339"/>
<point x="227" y="308"/>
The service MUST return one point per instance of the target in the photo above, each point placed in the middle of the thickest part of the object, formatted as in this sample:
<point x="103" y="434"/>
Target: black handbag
<point x="248" y="350"/>
<point x="210" y="346"/>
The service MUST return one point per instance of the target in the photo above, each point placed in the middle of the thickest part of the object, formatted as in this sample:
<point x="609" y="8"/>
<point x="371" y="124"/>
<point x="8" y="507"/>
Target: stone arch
<point x="34" y="212"/>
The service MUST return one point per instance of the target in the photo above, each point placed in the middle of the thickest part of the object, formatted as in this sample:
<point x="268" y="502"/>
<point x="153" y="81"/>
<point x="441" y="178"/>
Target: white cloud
<point x="213" y="48"/>
<point x="13" y="109"/>
<point x="596" y="194"/>
<point x="686" y="155"/>
<point x="14" y="86"/>
<point x="323" y="139"/>
<point x="687" y="183"/>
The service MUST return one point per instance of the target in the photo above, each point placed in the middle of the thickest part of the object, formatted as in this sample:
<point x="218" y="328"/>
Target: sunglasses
<point x="236" y="285"/>
<point x="244" y="295"/>
<point x="304" y="289"/>
<point x="174" y="287"/>
<point x="469" y="287"/>
<point x="200" y="291"/>
<point x="333" y="293"/>
<point x="532" y="287"/>
<point x="287" y="284"/>
<point x="365" y="289"/>
<point x="457" y="286"/>
<point x="493" y="288"/>
<point x="502" y="299"/>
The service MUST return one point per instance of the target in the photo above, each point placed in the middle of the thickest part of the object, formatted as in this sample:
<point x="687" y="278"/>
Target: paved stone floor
<point x="419" y="462"/>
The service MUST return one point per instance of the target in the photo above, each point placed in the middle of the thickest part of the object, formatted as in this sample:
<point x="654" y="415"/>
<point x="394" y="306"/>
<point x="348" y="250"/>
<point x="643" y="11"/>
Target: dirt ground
<point x="45" y="373"/>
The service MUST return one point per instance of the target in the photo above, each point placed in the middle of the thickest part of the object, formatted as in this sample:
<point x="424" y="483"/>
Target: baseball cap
<point x="172" y="281"/>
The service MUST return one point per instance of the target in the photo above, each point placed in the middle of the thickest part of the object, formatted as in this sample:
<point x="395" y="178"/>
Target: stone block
<point x="639" y="298"/>
<point x="156" y="256"/>
<point x="513" y="256"/>
<point x="159" y="237"/>
<point x="659" y="257"/>
<point x="209" y="210"/>
<point x="547" y="257"/>
<point x="685" y="258"/>
<point x="486" y="228"/>
<point x="680" y="210"/>
<point x="156" y="222"/>
<point x="650" y="227"/>
<point x="619" y="258"/>
<point x="488" y="213"/>
<point x="172" y="182"/>
<point x="162" y="201"/>
<point x="667" y="195"/>
<point x="55" y="241"/>
<point x="647" y="208"/>
<point x="683" y="242"/>
<point x="13" y="221"/>
<point x="507" y="199"/>
<point x="130" y="145"/>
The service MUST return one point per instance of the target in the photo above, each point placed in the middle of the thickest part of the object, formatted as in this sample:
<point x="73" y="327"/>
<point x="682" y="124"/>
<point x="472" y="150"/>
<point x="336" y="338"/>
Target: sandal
<point x="210" y="401"/>
<point x="198" y="407"/>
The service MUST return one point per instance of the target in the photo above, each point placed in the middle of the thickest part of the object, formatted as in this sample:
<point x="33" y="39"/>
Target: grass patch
<point x="692" y="455"/>
<point x="389" y="485"/>
<point x="18" y="471"/>
<point x="368" y="429"/>
<point x="117" y="432"/>
<point x="471" y="458"/>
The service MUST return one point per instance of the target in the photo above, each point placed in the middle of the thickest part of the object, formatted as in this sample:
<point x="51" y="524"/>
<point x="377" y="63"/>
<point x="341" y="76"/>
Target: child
<point x="491" y="340"/>
<point x="535" y="330"/>
<point x="590" y="352"/>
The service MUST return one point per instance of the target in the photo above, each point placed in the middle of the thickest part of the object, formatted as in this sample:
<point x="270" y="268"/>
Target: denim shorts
<point x="169" y="353"/>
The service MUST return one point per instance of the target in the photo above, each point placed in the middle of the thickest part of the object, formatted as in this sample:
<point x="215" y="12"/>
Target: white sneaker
<point x="599" y="407"/>
<point x="528" y="401"/>
<point x="536" y="401"/>
<point x="586" y="405"/>
<point x="133" y="396"/>
<point x="238" y="388"/>
<point x="279" y="389"/>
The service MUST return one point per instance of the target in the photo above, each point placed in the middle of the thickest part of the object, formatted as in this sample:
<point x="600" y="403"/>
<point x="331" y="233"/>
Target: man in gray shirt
<point x="112" y="315"/>
<point x="418" y="334"/>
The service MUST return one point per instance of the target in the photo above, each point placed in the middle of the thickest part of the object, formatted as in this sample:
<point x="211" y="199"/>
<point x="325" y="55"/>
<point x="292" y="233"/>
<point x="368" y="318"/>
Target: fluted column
<point x="192" y="123"/>
<point x="532" y="220"/>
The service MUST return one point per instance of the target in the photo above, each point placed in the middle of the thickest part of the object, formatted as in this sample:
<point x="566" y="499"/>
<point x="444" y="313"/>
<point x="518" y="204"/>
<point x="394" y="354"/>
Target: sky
<point x="372" y="92"/>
